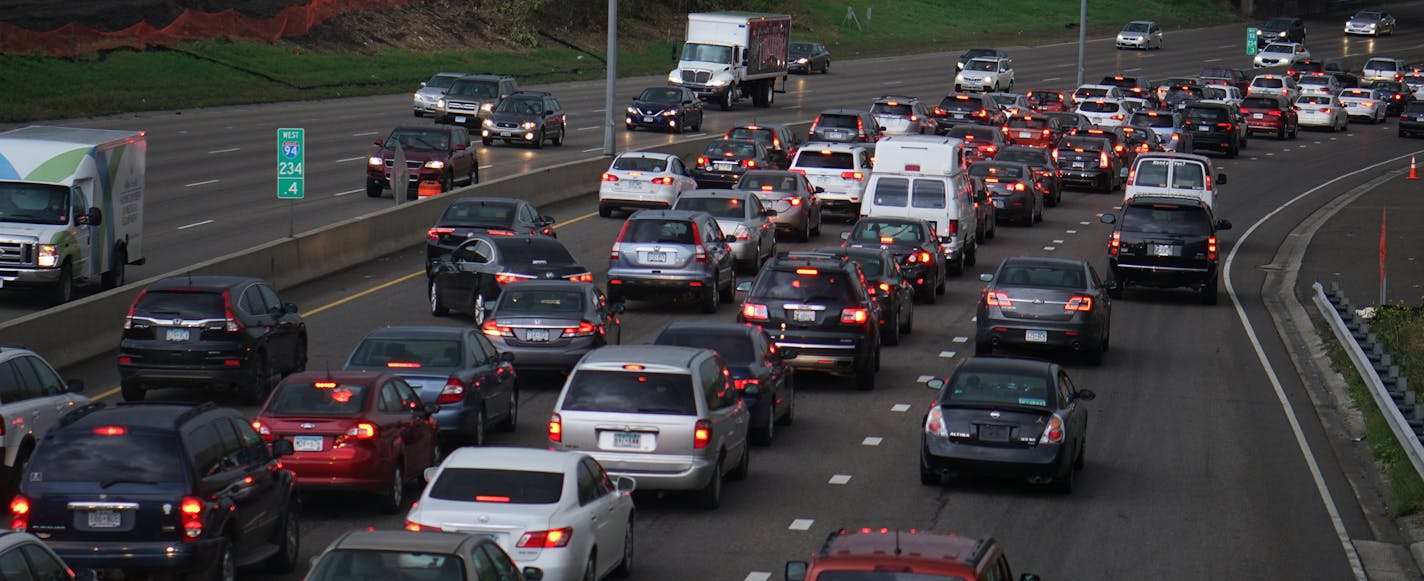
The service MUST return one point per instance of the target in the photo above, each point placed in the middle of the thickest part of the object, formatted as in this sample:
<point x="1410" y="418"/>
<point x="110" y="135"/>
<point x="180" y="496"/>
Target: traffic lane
<point x="1346" y="249"/>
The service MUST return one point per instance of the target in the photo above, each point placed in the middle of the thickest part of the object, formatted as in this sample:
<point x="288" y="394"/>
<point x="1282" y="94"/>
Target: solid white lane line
<point x="347" y="193"/>
<point x="486" y="166"/>
<point x="195" y="224"/>
<point x="960" y="339"/>
<point x="589" y="128"/>
<point x="900" y="408"/>
<point x="839" y="479"/>
<point x="872" y="441"/>
<point x="364" y="133"/>
<point x="344" y="160"/>
<point x="758" y="576"/>
<point x="946" y="354"/>
<point x="195" y="184"/>
<point x="802" y="524"/>
<point x="228" y="150"/>
<point x="592" y="149"/>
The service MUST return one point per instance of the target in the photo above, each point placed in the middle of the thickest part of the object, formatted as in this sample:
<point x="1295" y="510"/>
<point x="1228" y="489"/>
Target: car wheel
<point x="729" y="292"/>
<point x="909" y="308"/>
<point x="681" y="122"/>
<point x="373" y="190"/>
<point x="1295" y="131"/>
<point x="63" y="288"/>
<point x="559" y="139"/>
<point x="816" y="231"/>
<point x="590" y="570"/>
<point x="479" y="312"/>
<point x="710" y="297"/>
<point x="993" y="229"/>
<point x="767" y="432"/>
<point x="928" y="477"/>
<point x="865" y="374"/>
<point x="710" y="497"/>
<point x="805" y="234"/>
<point x="1116" y="293"/>
<point x="487" y="141"/>
<point x="477" y="432"/>
<point x="437" y="305"/>
<point x="604" y="211"/>
<point x="1209" y="292"/>
<point x="789" y="417"/>
<point x="224" y="570"/>
<point x="114" y="278"/>
<point x="539" y="141"/>
<point x="447" y="183"/>
<point x="1281" y="133"/>
<point x="256" y="392"/>
<point x="1063" y="484"/>
<point x="285" y="559"/>
<point x="983" y="348"/>
<point x="971" y="257"/>
<point x="893" y="332"/>
<point x="629" y="127"/>
<point x="625" y="565"/>
<point x="940" y="288"/>
<point x="131" y="391"/>
<point x="744" y="466"/>
<point x="512" y="420"/>
<point x="1233" y="150"/>
<point x="393" y="500"/>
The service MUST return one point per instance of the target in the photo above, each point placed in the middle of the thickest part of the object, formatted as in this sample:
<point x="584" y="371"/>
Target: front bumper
<point x="942" y="456"/>
<point x="1134" y="42"/>
<point x="27" y="275"/>
<point x="654" y="121"/>
<point x="1359" y="29"/>
<point x="146" y="556"/>
<point x="383" y="178"/>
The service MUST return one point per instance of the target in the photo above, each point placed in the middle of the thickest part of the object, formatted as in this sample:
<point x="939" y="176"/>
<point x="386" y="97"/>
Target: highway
<point x="1194" y="467"/>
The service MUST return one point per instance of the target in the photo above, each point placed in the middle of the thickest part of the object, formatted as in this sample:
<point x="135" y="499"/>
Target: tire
<point x="1116" y="293"/>
<point x="826" y="68"/>
<point x="114" y="278"/>
<point x="928" y="477"/>
<point x="63" y="289"/>
<point x="816" y="230"/>
<point x="477" y="435"/>
<point x="14" y="476"/>
<point x="789" y="418"/>
<point x="726" y="104"/>
<point x="559" y="139"/>
<point x="764" y="435"/>
<point x="926" y="294"/>
<point x="132" y="391"/>
<point x="983" y="348"/>
<point x="710" y="497"/>
<point x="711" y="297"/>
<point x="446" y="184"/>
<point x="993" y="229"/>
<point x="729" y="293"/>
<point x="805" y="234"/>
<point x="226" y="568"/>
<point x="940" y="288"/>
<point x="892" y="335"/>
<point x="1063" y="484"/>
<point x="629" y="127"/>
<point x="512" y="420"/>
<point x="393" y="500"/>
<point x="681" y="122"/>
<point x="604" y="211"/>
<point x="971" y="257"/>
<point x="256" y="393"/>
<point x="744" y="466"/>
<point x="698" y="126"/>
<point x="979" y="234"/>
<point x="625" y="564"/>
<point x="487" y="141"/>
<point x="910" y="318"/>
<point x="479" y="312"/>
<point x="1233" y="150"/>
<point x="1281" y="134"/>
<point x="539" y="141"/>
<point x="1209" y="292"/>
<point x="285" y="559"/>
<point x="437" y="306"/>
<point x="865" y="374"/>
<point x="373" y="191"/>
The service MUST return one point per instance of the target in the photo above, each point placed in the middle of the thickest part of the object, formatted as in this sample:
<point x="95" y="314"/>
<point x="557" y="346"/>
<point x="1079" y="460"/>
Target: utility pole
<point x="612" y="84"/>
<point x="1082" y="37"/>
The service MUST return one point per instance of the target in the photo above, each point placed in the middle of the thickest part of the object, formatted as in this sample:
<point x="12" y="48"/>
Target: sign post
<point x="1250" y="41"/>
<point x="400" y="176"/>
<point x="291" y="171"/>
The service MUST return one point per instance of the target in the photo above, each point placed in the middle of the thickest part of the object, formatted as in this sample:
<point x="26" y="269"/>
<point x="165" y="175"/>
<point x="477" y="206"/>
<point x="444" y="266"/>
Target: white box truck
<point x="71" y="207"/>
<point x="927" y="177"/>
<point x="729" y="56"/>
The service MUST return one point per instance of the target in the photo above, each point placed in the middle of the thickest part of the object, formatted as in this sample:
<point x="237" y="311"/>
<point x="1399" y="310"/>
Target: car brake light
<point x="854" y="316"/>
<point x="584" y="329"/>
<point x="128" y="319"/>
<point x="504" y="278"/>
<point x="1117" y="117"/>
<point x="794" y="201"/>
<point x="613" y="253"/>
<point x="1103" y="159"/>
<point x="1131" y="176"/>
<point x="19" y="512"/>
<point x="417" y="527"/>
<point x="453" y="392"/>
<point x="1055" y="156"/>
<point x="953" y="229"/>
<point x="585" y="277"/>
<point x="1018" y="187"/>
<point x="701" y="161"/>
<point x="884" y="287"/>
<point x="662" y="181"/>
<point x="807" y="271"/>
<point x="1211" y="248"/>
<point x="434" y="234"/>
<point x="998" y="299"/>
<point x="701" y="434"/>
<point x="493" y="329"/>
<point x="608" y="177"/>
<point x="751" y="163"/>
<point x="800" y="171"/>
<point x="230" y="322"/>
<point x="1079" y="303"/>
<point x="403" y="364"/>
<point x="754" y="312"/>
<point x="1114" y="242"/>
<point x="741" y="384"/>
<point x="556" y="428"/>
<point x="262" y="430"/>
<point x="110" y="431"/>
<point x="851" y="175"/>
<point x="551" y="539"/>
<point x="366" y="430"/>
<point x="1324" y="109"/>
<point x="1053" y="432"/>
<point x="1368" y="103"/>
<point x="190" y="510"/>
<point x="934" y="423"/>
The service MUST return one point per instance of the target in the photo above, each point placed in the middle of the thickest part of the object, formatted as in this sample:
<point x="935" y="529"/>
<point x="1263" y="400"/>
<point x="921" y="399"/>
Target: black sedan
<point x="670" y="108"/>
<point x="722" y="162"/>
<point x="885" y="282"/>
<point x="548" y="325"/>
<point x="809" y="57"/>
<point x="469" y="279"/>
<point x="1040" y="160"/>
<point x="1007" y="417"/>
<point x="1395" y="93"/>
<point x="1016" y="193"/>
<point x="913" y="244"/>
<point x="760" y="370"/>
<point x="497" y="216"/>
<point x="1054" y="303"/>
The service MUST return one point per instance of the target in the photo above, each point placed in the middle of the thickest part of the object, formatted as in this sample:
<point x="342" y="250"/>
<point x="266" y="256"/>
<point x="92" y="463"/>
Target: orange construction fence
<point x="75" y="39"/>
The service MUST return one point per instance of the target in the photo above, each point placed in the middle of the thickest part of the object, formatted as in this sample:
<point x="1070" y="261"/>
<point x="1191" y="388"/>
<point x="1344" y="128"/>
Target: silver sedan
<point x="741" y="216"/>
<point x="791" y="195"/>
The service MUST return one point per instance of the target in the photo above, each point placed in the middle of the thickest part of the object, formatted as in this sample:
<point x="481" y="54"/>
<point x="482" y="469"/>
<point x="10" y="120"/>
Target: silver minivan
<point x="668" y="416"/>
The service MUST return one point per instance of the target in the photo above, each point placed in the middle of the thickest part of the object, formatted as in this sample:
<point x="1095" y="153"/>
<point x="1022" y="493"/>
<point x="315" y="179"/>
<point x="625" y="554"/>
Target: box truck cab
<point x="734" y="55"/>
<point x="1173" y="174"/>
<point x="924" y="176"/>
<point x="71" y="207"/>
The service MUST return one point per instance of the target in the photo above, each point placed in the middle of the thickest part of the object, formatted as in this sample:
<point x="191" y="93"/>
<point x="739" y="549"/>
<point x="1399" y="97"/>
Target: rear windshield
<point x="1162" y="173"/>
<point x="717" y="207"/>
<point x="631" y="392"/>
<point x="638" y="163"/>
<point x="1314" y="100"/>
<point x="788" y="285"/>
<point x="1091" y="92"/>
<point x="739" y="149"/>
<point x="735" y="348"/>
<point x="883" y="576"/>
<point x="1028" y="123"/>
<point x="1021" y="156"/>
<point x="1414" y="108"/>
<point x="482" y="213"/>
<point x="973" y="132"/>
<point x="1260" y="103"/>
<point x="1085" y="144"/>
<point x="1391" y="86"/>
<point x="1123" y="83"/>
<point x="825" y="160"/>
<point x="655" y="230"/>
<point x="536" y="251"/>
<point x="181" y="304"/>
<point x="1381" y="65"/>
<point x="501" y="486"/>
<point x="1150" y="120"/>
<point x="870" y="266"/>
<point x="982" y="170"/>
<point x="81" y="456"/>
<point x="1042" y="275"/>
<point x="961" y="105"/>
<point x="875" y="232"/>
<point x="896" y="192"/>
<point x="1268" y="83"/>
<point x="762" y="136"/>
<point x="1214" y="93"/>
<point x="344" y="564"/>
<point x="777" y="182"/>
<point x="412" y="353"/>
<point x="1206" y="114"/>
<point x="514" y="300"/>
<point x="1099" y="107"/>
<point x="307" y="399"/>
<point x="1038" y="97"/>
<point x="997" y="389"/>
<point x="1165" y="219"/>
<point x="895" y="110"/>
<point x="838" y="121"/>
<point x="1314" y="80"/>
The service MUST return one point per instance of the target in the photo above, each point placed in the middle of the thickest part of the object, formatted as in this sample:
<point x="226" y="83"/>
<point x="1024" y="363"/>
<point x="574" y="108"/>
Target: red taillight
<point x="884" y="287"/>
<point x="855" y="316"/>
<point x="754" y="312"/>
<point x="416" y="527"/>
<point x="504" y="278"/>
<point x="556" y="428"/>
<point x="701" y="161"/>
<point x="585" y="277"/>
<point x="751" y="163"/>
<point x="662" y="181"/>
<point x="793" y="201"/>
<point x="190" y="510"/>
<point x="231" y="324"/>
<point x="1055" y="156"/>
<point x="1103" y="159"/>
<point x="998" y="299"/>
<point x="262" y="430"/>
<point x="613" y="253"/>
<point x="110" y="431"/>
<point x="1324" y="109"/>
<point x="701" y="434"/>
<point x="1132" y="175"/>
<point x="1018" y="187"/>
<point x="434" y="234"/>
<point x="1053" y="432"/>
<point x="1114" y="243"/>
<point x="128" y="319"/>
<point x="1079" y="303"/>
<point x="1211" y="248"/>
<point x="608" y="177"/>
<point x="363" y="430"/>
<point x="1118" y="117"/>
<point x="453" y="392"/>
<point x="552" y="539"/>
<point x="953" y="229"/>
<point x="1224" y="125"/>
<point x="493" y="329"/>
<point x="584" y="329"/>
<point x="852" y="175"/>
<point x="741" y="384"/>
<point x="920" y="257"/>
<point x="19" y="513"/>
<point x="800" y="171"/>
<point x="1274" y="113"/>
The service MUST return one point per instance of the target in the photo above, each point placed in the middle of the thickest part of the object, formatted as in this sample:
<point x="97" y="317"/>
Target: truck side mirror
<point x="93" y="217"/>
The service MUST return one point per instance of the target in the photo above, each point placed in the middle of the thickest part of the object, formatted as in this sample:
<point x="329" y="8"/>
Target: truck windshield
<point x="34" y="203"/>
<point x="707" y="53"/>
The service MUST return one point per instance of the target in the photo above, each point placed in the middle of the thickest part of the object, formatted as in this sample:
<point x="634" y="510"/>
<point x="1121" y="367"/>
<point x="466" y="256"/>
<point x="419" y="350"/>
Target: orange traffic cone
<point x="1413" y="175"/>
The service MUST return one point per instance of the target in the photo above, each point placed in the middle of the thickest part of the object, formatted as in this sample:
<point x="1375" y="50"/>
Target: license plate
<point x="1258" y="115"/>
<point x="504" y="134"/>
<point x="459" y="118"/>
<point x="1032" y="336"/>
<point x="994" y="433"/>
<point x="1203" y="128"/>
<point x="176" y="334"/>
<point x="659" y="257"/>
<point x="998" y="203"/>
<point x="803" y="316"/>
<point x="840" y="134"/>
<point x="959" y="115"/>
<point x="647" y="120"/>
<point x="628" y="440"/>
<point x="1079" y="164"/>
<point x="536" y="335"/>
<point x="1164" y="250"/>
<point x="307" y="443"/>
<point x="1025" y="134"/>
<point x="104" y="519"/>
<point x="631" y="186"/>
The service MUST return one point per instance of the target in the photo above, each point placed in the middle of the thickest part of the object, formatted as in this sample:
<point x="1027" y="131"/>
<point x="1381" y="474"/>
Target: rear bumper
<point x="1161" y="277"/>
<point x="316" y="473"/>
<point x="668" y="472"/>
<point x="194" y="376"/>
<point x="1014" y="333"/>
<point x="948" y="458"/>
<point x="530" y="358"/>
<point x="641" y="285"/>
<point x="826" y="351"/>
<point x="145" y="556"/>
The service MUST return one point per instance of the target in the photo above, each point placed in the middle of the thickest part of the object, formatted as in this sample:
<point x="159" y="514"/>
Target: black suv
<point x="1214" y="125"/>
<point x="779" y="140"/>
<point x="531" y="117"/>
<point x="1411" y="119"/>
<point x="161" y="487"/>
<point x="229" y="333"/>
<point x="1280" y="29"/>
<point x="820" y="308"/>
<point x="1165" y="242"/>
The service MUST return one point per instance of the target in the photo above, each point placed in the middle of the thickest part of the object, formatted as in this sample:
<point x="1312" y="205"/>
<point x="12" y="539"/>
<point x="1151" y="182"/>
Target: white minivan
<point x="924" y="176"/>
<point x="1173" y="174"/>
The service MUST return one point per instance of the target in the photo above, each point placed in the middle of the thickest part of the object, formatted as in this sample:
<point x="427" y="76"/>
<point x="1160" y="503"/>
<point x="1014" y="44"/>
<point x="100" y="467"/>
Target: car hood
<point x="653" y="106"/>
<point x="510" y="117"/>
<point x="430" y="92"/>
<point x="1364" y="21"/>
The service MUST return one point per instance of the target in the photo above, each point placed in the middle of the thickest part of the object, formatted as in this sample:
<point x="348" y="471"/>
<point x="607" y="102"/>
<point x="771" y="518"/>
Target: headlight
<point x="488" y="123"/>
<point x="669" y="112"/>
<point x="375" y="160"/>
<point x="440" y="103"/>
<point x="802" y="61"/>
<point x="674" y="78"/>
<point x="487" y="107"/>
<point x="632" y="111"/>
<point x="435" y="164"/>
<point x="415" y="96"/>
<point x="719" y="82"/>
<point x="48" y="257"/>
<point x="527" y="124"/>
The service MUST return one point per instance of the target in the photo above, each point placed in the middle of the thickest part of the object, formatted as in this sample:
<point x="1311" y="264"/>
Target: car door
<point x="288" y="329"/>
<point x="684" y="178"/>
<point x="218" y="462"/>
<point x="494" y="372"/>
<point x="593" y="511"/>
<point x="612" y="324"/>
<point x="725" y="410"/>
<point x="269" y="489"/>
<point x="764" y="227"/>
<point x="49" y="395"/>
<point x="262" y="322"/>
<point x="19" y="400"/>
<point x="714" y="240"/>
<point x="470" y="265"/>
<point x="392" y="417"/>
<point x="420" y="431"/>
<point x="778" y="371"/>
<point x="462" y="156"/>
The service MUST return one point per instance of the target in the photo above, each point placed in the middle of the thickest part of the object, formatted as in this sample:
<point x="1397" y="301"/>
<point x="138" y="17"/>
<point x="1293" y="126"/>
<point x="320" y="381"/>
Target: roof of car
<point x="795" y="260"/>
<point x="710" y="327"/>
<point x="656" y="214"/>
<point x="1045" y="261"/>
<point x="905" y="545"/>
<point x="396" y="539"/>
<point x="717" y="193"/>
<point x="435" y="128"/>
<point x="896" y="98"/>
<point x="652" y="354"/>
<point x="1142" y="22"/>
<point x="1006" y="364"/>
<point x="202" y="282"/>
<point x="648" y="154"/>
<point x="836" y="146"/>
<point x="1144" y="200"/>
<point x="421" y="331"/>
<point x="534" y="459"/>
<point x="531" y="94"/>
<point x="892" y="220"/>
<point x="478" y="76"/>
<point x="164" y="415"/>
<point x="844" y="111"/>
<point x="484" y="200"/>
<point x="337" y="375"/>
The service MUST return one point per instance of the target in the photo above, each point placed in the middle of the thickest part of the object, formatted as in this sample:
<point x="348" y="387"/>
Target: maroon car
<point x="1224" y="76"/>
<point x="433" y="153"/>
<point x="981" y="142"/>
<point x="352" y="430"/>
<point x="1270" y="114"/>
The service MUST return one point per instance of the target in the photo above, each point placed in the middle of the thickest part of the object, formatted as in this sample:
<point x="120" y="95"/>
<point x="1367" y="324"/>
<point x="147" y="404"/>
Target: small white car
<point x="1143" y="34"/>
<point x="1104" y="112"/>
<point x="1281" y="85"/>
<point x="1319" y="85"/>
<point x="991" y="74"/>
<point x="1366" y="104"/>
<point x="1097" y="92"/>
<point x="643" y="179"/>
<point x="1324" y="111"/>
<point x="546" y="509"/>
<point x="1228" y="93"/>
<point x="1281" y="53"/>
<point x="1381" y="69"/>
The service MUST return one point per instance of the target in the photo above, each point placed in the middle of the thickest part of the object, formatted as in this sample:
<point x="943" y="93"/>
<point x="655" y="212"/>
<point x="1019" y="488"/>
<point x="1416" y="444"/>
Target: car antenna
<point x="897" y="542"/>
<point x="328" y="370"/>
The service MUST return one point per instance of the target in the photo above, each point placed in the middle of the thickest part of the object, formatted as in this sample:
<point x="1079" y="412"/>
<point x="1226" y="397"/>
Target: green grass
<point x="226" y="73"/>
<point x="1405" y="488"/>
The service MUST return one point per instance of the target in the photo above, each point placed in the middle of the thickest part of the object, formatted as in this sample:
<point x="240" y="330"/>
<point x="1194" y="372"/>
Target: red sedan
<point x="352" y="430"/>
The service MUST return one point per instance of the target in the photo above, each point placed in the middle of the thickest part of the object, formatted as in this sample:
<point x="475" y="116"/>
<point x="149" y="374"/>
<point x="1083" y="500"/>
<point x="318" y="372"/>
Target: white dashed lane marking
<point x="1085" y="223"/>
<point x="592" y="149"/>
<point x="346" y="193"/>
<point x="344" y="160"/>
<point x="960" y="339"/>
<point x="588" y="128"/>
<point x="195" y="184"/>
<point x="900" y="408"/>
<point x="923" y="378"/>
<point x="195" y="224"/>
<point x="946" y="354"/>
<point x="228" y="150"/>
<point x="802" y="524"/>
<point x="839" y="479"/>
<point x="1057" y="241"/>
<point x="758" y="576"/>
<point x="1050" y="248"/>
<point x="872" y="441"/>
<point x="1070" y="231"/>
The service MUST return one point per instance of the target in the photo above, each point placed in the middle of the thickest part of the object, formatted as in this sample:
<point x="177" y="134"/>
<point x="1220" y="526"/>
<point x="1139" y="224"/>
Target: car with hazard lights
<point x="1046" y="100"/>
<point x="760" y="372"/>
<point x="1365" y="104"/>
<point x="483" y="215"/>
<point x="230" y="334"/>
<point x="745" y="217"/>
<point x="1032" y="130"/>
<point x="981" y="142"/>
<point x="427" y="555"/>
<point x="1088" y="161"/>
<point x="559" y="513"/>
<point x="886" y="282"/>
<point x="670" y="417"/>
<point x="779" y="140"/>
<point x="1006" y="417"/>
<point x="469" y="279"/>
<point x="914" y="245"/>
<point x="672" y="254"/>
<point x="967" y="108"/>
<point x="1012" y="188"/>
<point x="549" y="326"/>
<point x="721" y="162"/>
<point x="1045" y="171"/>
<point x="675" y="109"/>
<point x="363" y="431"/>
<point x="1165" y="242"/>
<point x="1038" y="304"/>
<point x="1271" y="113"/>
<point x="161" y="489"/>
<point x="845" y="126"/>
<point x="457" y="369"/>
<point x="840" y="171"/>
<point x="643" y="179"/>
<point x="795" y="202"/>
<point x="820" y="307"/>
<point x="433" y="153"/>
<point x="901" y="115"/>
<point x="886" y="554"/>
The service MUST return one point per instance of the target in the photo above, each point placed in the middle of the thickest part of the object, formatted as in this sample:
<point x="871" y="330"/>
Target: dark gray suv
<point x="846" y="126"/>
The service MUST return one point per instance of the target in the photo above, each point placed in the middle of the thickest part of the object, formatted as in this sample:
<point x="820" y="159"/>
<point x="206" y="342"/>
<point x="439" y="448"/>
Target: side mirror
<point x="1221" y="179"/>
<point x="1108" y="219"/>
<point x="546" y="220"/>
<point x="430" y="473"/>
<point x="537" y="574"/>
<point x="1112" y="285"/>
<point x="845" y="235"/>
<point x="75" y="385"/>
<point x="789" y="352"/>
<point x="1087" y="395"/>
<point x="744" y="286"/>
<point x="625" y="484"/>
<point x="431" y="408"/>
<point x="282" y="448"/>
<point x="769" y="213"/>
<point x="820" y="190"/>
<point x="289" y="308"/>
<point x="729" y="239"/>
<point x="90" y="575"/>
<point x="618" y="308"/>
<point x="508" y="356"/>
<point x="93" y="217"/>
<point x="935" y="383"/>
<point x="1223" y="224"/>
<point x="796" y="570"/>
<point x="377" y="143"/>
<point x="986" y="277"/>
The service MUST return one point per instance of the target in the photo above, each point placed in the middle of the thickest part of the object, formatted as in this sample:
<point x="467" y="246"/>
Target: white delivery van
<point x="925" y="177"/>
<point x="1173" y="174"/>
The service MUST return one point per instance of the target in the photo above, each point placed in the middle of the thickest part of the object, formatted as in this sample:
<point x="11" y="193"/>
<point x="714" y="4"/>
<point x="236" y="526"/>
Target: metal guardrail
<point x="1396" y="402"/>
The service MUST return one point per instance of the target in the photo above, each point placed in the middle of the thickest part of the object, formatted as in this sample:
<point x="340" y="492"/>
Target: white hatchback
<point x="1324" y="111"/>
<point x="1280" y="85"/>
<point x="1281" y="53"/>
<point x="546" y="509"/>
<point x="1104" y="112"/>
<point x="1319" y="85"/>
<point x="643" y="179"/>
<point x="1365" y="103"/>
<point x="1097" y="92"/>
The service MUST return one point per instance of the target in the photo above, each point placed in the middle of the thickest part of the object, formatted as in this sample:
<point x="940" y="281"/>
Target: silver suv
<point x="472" y="97"/>
<point x="423" y="100"/>
<point x="663" y="253"/>
<point x="841" y="170"/>
<point x="32" y="398"/>
<point x="667" y="416"/>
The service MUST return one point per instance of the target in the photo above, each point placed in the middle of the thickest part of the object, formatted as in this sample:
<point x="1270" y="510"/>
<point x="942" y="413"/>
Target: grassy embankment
<point x="226" y="73"/>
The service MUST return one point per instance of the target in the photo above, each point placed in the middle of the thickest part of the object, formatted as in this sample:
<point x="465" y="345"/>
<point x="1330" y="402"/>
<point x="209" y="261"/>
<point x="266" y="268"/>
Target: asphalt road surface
<point x="1193" y="467"/>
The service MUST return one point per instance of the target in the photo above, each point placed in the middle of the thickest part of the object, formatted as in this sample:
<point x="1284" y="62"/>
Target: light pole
<point x="611" y="84"/>
<point x="1082" y="37"/>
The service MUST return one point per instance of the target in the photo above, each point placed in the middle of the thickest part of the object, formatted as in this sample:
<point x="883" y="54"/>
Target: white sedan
<point x="1324" y="111"/>
<point x="556" y="511"/>
<point x="1366" y="104"/>
<point x="643" y="179"/>
<point x="1281" y="53"/>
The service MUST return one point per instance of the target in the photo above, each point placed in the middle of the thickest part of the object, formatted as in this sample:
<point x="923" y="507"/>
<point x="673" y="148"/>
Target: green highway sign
<point x="291" y="163"/>
<point x="1251" y="41"/>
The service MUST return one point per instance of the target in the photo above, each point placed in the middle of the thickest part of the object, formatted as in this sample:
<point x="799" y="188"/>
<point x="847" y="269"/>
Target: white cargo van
<point x="923" y="176"/>
<point x="1173" y="174"/>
